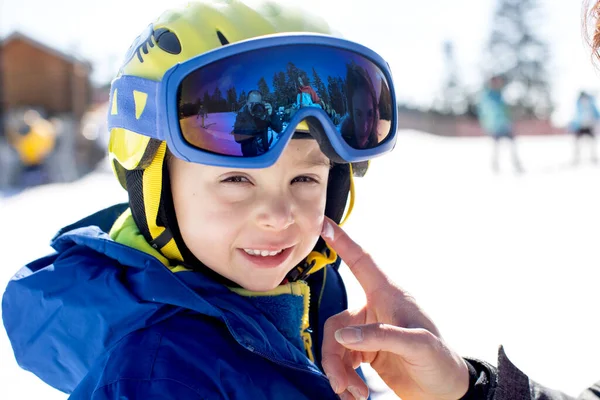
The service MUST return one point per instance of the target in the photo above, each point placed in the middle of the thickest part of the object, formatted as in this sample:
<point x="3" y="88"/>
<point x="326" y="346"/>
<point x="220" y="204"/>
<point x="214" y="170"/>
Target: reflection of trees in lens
<point x="279" y="89"/>
<point x="189" y="109"/>
<point x="232" y="99"/>
<point x="320" y="87"/>
<point x="284" y="85"/>
<point x="219" y="104"/>
<point x="335" y="92"/>
<point x="242" y="99"/>
<point x="292" y="81"/>
<point x="263" y="88"/>
<point x="208" y="106"/>
<point x="216" y="103"/>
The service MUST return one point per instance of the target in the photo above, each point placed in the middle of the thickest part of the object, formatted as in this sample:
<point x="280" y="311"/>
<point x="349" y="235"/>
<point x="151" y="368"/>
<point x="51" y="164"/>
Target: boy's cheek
<point x="316" y="223"/>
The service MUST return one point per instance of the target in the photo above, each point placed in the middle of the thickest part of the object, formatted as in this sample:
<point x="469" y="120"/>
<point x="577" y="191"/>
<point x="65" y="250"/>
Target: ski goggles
<point x="238" y="106"/>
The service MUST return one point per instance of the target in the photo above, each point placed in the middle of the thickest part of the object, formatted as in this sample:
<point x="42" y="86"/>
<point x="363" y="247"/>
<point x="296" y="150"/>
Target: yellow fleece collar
<point x="126" y="232"/>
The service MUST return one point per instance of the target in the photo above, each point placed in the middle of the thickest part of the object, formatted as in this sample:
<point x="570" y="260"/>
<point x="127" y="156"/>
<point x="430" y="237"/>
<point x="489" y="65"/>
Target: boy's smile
<point x="267" y="259"/>
<point x="252" y="226"/>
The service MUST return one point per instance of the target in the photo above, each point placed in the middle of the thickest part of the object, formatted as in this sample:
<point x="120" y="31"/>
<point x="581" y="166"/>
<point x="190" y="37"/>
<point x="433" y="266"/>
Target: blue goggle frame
<point x="160" y="116"/>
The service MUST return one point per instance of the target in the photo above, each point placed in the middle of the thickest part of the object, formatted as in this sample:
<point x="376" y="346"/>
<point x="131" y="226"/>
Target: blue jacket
<point x="102" y="320"/>
<point x="586" y="115"/>
<point x="493" y="113"/>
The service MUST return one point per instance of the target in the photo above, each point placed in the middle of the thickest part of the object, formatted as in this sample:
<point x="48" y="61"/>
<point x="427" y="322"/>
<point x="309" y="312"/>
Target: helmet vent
<point x="167" y="41"/>
<point x="222" y="38"/>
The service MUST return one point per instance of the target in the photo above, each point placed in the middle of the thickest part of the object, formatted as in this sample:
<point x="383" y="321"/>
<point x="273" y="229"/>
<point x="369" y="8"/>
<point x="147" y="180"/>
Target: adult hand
<point x="390" y="332"/>
<point x="269" y="108"/>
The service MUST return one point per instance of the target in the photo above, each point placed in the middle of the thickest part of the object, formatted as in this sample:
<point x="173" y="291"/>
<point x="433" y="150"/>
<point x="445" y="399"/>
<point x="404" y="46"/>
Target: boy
<point x="212" y="282"/>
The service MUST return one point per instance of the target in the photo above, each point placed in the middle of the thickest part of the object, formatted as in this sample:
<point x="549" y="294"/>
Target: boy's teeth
<point x="263" y="253"/>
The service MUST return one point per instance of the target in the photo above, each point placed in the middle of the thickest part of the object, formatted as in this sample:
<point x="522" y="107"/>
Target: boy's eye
<point x="304" y="179"/>
<point x="237" y="179"/>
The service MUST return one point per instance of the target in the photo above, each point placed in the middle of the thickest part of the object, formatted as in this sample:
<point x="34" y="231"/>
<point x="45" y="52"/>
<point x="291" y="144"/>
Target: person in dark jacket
<point x="212" y="282"/>
<point x="252" y="125"/>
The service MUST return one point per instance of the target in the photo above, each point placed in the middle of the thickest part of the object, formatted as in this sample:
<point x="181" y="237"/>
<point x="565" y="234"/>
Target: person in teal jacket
<point x="212" y="282"/>
<point x="584" y="124"/>
<point x="495" y="119"/>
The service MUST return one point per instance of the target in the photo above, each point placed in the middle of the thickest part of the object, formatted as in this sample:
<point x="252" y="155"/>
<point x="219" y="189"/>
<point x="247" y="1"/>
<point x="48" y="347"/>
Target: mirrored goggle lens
<point x="241" y="105"/>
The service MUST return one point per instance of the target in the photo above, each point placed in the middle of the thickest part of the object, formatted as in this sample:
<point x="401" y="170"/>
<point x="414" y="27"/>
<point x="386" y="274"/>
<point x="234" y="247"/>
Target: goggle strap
<point x="132" y="105"/>
<point x="352" y="197"/>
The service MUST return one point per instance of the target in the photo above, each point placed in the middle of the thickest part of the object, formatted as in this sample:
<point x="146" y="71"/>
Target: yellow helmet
<point x="176" y="36"/>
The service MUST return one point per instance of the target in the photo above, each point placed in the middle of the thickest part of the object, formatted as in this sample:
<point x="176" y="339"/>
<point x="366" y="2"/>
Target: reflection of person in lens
<point x="307" y="97"/>
<point x="359" y="127"/>
<point x="202" y="114"/>
<point x="252" y="123"/>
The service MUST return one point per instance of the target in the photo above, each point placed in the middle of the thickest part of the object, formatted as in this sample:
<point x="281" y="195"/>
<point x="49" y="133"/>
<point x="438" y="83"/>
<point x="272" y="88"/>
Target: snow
<point x="493" y="258"/>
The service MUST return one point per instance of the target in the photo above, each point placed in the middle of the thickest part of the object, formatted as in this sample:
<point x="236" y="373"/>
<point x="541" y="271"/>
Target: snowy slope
<point x="494" y="259"/>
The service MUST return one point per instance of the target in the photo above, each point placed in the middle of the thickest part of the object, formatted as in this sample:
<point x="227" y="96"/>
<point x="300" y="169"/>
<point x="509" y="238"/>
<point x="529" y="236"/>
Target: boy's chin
<point x="261" y="285"/>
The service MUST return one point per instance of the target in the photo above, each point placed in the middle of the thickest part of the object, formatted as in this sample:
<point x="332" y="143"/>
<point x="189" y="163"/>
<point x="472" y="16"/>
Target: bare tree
<point x="516" y="51"/>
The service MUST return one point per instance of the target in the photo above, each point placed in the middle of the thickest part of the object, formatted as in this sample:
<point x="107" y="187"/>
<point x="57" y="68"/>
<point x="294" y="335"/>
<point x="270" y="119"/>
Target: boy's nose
<point x="276" y="214"/>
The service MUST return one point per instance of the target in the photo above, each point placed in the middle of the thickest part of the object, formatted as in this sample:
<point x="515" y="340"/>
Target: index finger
<point x="362" y="265"/>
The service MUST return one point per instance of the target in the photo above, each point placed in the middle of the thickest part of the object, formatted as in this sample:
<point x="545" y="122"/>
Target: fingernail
<point x="333" y="383"/>
<point x="354" y="391"/>
<point x="349" y="335"/>
<point x="327" y="230"/>
<point x="346" y="396"/>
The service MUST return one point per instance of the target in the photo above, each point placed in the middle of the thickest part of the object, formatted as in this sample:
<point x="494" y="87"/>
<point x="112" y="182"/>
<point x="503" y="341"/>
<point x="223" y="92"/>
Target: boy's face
<point x="227" y="215"/>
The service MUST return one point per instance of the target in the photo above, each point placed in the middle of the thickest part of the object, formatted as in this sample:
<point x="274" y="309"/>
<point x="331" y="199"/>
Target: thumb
<point x="409" y="344"/>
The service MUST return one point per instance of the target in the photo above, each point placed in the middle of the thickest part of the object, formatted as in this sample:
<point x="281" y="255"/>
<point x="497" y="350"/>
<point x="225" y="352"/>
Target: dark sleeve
<point x="244" y="124"/>
<point x="514" y="384"/>
<point x="241" y="122"/>
<point x="276" y="123"/>
<point x="507" y="382"/>
<point x="244" y="127"/>
<point x="482" y="380"/>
